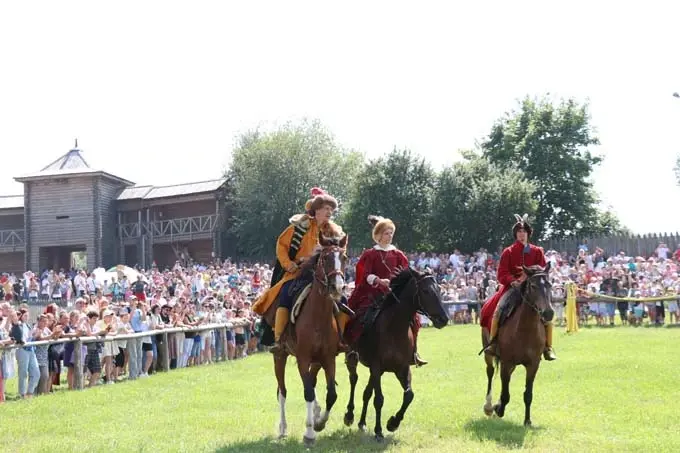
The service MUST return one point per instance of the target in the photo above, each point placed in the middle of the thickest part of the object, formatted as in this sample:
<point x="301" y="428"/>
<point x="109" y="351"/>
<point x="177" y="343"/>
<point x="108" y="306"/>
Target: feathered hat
<point x="379" y="225"/>
<point x="319" y="198"/>
<point x="523" y="224"/>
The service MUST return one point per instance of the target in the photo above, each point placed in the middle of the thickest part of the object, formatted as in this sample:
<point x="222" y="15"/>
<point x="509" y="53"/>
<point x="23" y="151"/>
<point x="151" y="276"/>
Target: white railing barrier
<point x="163" y="352"/>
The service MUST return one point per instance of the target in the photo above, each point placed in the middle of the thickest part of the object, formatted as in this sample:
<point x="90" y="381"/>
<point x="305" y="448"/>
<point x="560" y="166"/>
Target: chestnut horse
<point x="521" y="339"/>
<point x="313" y="339"/>
<point x="387" y="345"/>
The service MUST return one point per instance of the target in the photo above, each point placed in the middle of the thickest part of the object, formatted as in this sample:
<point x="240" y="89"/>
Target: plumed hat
<point x="318" y="200"/>
<point x="522" y="223"/>
<point x="379" y="225"/>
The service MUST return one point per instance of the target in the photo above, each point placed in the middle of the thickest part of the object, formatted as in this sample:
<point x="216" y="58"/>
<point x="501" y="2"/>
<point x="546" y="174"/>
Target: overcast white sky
<point x="156" y="91"/>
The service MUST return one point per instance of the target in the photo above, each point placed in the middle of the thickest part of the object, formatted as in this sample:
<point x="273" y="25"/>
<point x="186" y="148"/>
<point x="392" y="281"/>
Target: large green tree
<point x="398" y="186"/>
<point x="474" y="204"/>
<point x="272" y="173"/>
<point x="551" y="143"/>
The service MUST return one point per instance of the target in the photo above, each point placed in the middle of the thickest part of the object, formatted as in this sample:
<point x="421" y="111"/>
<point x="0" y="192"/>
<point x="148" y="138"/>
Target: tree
<point x="398" y="186"/>
<point x="272" y="173"/>
<point x="474" y="204"/>
<point x="605" y="223"/>
<point x="551" y="145"/>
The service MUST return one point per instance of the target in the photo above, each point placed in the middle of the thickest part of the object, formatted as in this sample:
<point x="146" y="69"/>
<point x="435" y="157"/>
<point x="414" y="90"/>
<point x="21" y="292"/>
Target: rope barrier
<point x="628" y="299"/>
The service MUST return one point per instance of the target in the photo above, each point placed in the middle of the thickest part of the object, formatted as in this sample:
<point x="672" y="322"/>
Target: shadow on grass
<point x="342" y="440"/>
<point x="503" y="432"/>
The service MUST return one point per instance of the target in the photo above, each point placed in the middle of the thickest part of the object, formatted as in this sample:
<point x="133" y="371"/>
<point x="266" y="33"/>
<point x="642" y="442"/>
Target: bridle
<point x="523" y="293"/>
<point x="416" y="297"/>
<point x="320" y="268"/>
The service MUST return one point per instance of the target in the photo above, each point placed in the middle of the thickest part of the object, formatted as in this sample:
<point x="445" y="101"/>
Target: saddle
<point x="513" y="299"/>
<point x="299" y="302"/>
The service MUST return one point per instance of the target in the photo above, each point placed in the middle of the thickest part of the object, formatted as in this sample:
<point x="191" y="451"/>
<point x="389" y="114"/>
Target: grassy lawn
<point x="611" y="390"/>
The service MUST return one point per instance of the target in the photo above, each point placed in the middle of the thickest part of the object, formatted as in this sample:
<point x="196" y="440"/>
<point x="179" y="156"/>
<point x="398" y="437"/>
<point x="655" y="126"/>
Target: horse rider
<point x="511" y="276"/>
<point x="373" y="272"/>
<point x="297" y="243"/>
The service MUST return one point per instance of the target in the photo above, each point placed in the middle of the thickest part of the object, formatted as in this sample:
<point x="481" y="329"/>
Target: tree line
<point x="536" y="159"/>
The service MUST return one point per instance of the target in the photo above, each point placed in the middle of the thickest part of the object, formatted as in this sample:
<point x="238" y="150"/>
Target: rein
<point x="524" y="295"/>
<point x="416" y="297"/>
<point x="321" y="269"/>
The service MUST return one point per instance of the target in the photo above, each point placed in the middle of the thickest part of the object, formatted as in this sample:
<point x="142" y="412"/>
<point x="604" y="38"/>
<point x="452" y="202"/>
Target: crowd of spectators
<point x="75" y="303"/>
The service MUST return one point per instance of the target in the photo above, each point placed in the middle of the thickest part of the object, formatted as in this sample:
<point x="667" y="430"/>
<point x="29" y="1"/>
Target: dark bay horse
<point x="387" y="345"/>
<point x="313" y="339"/>
<point x="521" y="339"/>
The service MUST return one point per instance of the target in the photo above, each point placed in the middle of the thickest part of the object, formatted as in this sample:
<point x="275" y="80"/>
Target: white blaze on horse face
<point x="339" y="283"/>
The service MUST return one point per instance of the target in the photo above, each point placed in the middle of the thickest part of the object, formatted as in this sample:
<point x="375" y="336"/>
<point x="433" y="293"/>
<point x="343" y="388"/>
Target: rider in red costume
<point x="375" y="268"/>
<point x="510" y="277"/>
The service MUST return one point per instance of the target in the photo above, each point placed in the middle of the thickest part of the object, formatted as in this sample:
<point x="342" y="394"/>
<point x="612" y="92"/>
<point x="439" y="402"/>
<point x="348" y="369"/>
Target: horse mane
<point x="308" y="265"/>
<point x="535" y="269"/>
<point x="397" y="285"/>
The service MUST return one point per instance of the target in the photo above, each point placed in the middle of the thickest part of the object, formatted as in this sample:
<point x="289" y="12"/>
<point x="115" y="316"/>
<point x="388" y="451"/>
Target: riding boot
<point x="342" y="319"/>
<point x="417" y="360"/>
<point x="548" y="353"/>
<point x="492" y="347"/>
<point x="282" y="317"/>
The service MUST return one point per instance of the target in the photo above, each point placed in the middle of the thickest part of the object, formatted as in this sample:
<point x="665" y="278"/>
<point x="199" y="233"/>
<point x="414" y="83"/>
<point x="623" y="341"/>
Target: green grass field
<point x="611" y="390"/>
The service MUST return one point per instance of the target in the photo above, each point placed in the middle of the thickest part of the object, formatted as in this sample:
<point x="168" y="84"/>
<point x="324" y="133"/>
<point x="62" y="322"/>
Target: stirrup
<point x="549" y="354"/>
<point x="490" y="348"/>
<point x="276" y="348"/>
<point x="418" y="361"/>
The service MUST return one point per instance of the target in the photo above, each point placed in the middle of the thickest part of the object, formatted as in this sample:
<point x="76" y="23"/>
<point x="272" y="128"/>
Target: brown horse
<point x="313" y="339"/>
<point x="521" y="339"/>
<point x="387" y="345"/>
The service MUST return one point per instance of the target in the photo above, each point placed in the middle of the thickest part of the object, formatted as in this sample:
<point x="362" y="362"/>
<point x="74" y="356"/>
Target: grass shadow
<point x="342" y="440"/>
<point x="503" y="432"/>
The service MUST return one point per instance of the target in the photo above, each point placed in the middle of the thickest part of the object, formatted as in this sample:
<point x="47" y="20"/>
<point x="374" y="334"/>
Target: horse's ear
<point x="322" y="239"/>
<point x="343" y="242"/>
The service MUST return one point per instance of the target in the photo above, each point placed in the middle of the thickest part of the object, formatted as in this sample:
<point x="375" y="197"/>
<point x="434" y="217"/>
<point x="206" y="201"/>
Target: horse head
<point x="536" y="291"/>
<point x="426" y="296"/>
<point x="330" y="265"/>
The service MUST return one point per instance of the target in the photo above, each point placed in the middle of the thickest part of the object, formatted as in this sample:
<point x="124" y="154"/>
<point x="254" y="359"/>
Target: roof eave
<point x="30" y="178"/>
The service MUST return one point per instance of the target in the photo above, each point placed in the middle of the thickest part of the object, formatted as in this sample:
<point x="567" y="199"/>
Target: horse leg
<point x="351" y="362"/>
<point x="378" y="401"/>
<point x="404" y="377"/>
<point x="308" y="382"/>
<point x="529" y="391"/>
<point x="331" y="395"/>
<point x="490" y="370"/>
<point x="314" y="371"/>
<point x="506" y="372"/>
<point x="368" y="392"/>
<point x="280" y="371"/>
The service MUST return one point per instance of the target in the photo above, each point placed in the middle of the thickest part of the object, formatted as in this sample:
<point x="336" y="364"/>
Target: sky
<point x="156" y="92"/>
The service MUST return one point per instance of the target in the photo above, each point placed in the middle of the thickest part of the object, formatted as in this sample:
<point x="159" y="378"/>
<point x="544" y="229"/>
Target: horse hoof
<point x="308" y="442"/>
<point x="392" y="424"/>
<point x="318" y="427"/>
<point x="362" y="427"/>
<point x="498" y="411"/>
<point x="349" y="419"/>
<point x="488" y="410"/>
<point x="527" y="423"/>
<point x="379" y="437"/>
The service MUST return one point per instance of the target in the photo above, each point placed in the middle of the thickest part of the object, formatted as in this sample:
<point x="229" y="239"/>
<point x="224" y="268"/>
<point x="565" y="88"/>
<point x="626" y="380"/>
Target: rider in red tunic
<point x="375" y="268"/>
<point x="511" y="276"/>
